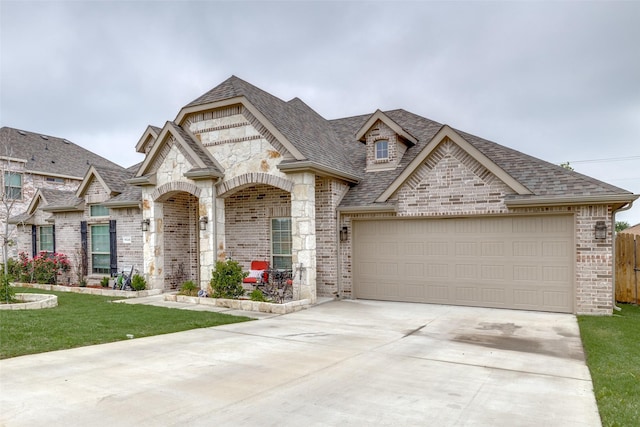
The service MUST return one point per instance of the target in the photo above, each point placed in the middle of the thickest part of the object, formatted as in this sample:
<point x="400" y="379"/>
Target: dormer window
<point x="382" y="150"/>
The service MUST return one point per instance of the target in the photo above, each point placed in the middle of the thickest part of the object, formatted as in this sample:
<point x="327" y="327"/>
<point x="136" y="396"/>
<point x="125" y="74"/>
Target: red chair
<point x="257" y="273"/>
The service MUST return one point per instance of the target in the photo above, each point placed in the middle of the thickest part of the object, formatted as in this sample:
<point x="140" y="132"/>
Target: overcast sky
<point x="556" y="80"/>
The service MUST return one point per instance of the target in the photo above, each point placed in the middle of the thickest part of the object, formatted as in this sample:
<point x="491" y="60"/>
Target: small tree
<point x="226" y="280"/>
<point x="566" y="165"/>
<point x="621" y="225"/>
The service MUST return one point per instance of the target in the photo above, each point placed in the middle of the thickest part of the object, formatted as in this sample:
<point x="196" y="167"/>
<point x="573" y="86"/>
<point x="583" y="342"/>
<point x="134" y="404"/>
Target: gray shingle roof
<point x="332" y="143"/>
<point x="114" y="178"/>
<point x="48" y="154"/>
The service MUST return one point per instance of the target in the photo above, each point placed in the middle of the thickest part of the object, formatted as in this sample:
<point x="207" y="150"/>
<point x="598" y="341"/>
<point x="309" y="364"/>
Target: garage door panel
<point x="510" y="262"/>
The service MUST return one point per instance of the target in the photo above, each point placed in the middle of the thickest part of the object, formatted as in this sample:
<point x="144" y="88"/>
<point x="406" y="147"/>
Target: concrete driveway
<point x="353" y="363"/>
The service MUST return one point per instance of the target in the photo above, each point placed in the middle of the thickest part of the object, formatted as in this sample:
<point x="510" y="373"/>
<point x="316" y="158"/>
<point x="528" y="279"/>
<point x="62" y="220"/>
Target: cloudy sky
<point x="556" y="80"/>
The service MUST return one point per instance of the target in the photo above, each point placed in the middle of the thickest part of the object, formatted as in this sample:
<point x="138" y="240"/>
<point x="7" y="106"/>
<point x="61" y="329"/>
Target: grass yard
<point x="612" y="346"/>
<point x="81" y="320"/>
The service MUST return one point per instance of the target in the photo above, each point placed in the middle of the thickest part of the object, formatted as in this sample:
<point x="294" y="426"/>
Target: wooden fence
<point x="628" y="268"/>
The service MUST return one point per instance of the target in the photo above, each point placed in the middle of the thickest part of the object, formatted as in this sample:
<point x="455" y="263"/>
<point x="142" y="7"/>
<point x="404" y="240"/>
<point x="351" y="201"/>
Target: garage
<point x="518" y="262"/>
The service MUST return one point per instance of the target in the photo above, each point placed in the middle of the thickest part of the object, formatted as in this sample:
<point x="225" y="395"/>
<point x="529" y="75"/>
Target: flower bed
<point x="107" y="292"/>
<point x="241" y="304"/>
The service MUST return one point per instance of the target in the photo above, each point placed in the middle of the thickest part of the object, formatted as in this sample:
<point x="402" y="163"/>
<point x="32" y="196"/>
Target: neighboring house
<point x="32" y="161"/>
<point x="388" y="205"/>
<point x="97" y="226"/>
<point x="634" y="229"/>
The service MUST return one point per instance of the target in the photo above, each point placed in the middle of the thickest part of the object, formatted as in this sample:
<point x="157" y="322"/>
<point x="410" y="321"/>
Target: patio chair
<point x="257" y="273"/>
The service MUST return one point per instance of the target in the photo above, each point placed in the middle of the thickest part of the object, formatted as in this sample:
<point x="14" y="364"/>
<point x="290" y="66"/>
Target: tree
<point x="621" y="225"/>
<point x="567" y="166"/>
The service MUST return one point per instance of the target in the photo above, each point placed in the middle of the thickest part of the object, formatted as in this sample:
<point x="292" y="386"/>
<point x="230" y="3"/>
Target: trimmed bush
<point x="257" y="295"/>
<point x="189" y="289"/>
<point x="104" y="282"/>
<point x="138" y="283"/>
<point x="226" y="280"/>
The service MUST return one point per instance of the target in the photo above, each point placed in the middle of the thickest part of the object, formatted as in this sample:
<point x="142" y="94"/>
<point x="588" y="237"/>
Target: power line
<point x="612" y="159"/>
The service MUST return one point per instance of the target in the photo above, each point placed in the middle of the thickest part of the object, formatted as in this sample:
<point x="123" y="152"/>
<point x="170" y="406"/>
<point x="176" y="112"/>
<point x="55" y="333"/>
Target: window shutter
<point x="34" y="241"/>
<point x="53" y="232"/>
<point x="83" y="247"/>
<point x="113" y="248"/>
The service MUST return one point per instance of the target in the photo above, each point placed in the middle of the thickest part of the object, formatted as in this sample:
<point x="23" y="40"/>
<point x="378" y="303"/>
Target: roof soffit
<point x="187" y="111"/>
<point x="379" y="115"/>
<point x="448" y="132"/>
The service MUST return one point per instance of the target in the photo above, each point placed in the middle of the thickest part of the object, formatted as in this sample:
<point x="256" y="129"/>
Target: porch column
<point x="303" y="234"/>
<point x="153" y="247"/>
<point x="221" y="242"/>
<point x="207" y="244"/>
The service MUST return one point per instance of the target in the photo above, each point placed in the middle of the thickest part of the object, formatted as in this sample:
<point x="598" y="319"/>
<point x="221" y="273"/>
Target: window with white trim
<point x="382" y="150"/>
<point x="46" y="238"/>
<point x="281" y="243"/>
<point x="100" y="249"/>
<point x="13" y="185"/>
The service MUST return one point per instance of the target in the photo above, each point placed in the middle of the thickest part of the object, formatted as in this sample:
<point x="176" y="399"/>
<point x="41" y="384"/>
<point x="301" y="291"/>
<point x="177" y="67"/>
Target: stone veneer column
<point x="207" y="244"/>
<point x="153" y="248"/>
<point x="303" y="230"/>
<point x="221" y="244"/>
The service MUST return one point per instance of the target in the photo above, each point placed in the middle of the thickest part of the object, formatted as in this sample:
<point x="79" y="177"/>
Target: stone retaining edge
<point x="106" y="292"/>
<point x="241" y="304"/>
<point x="35" y="302"/>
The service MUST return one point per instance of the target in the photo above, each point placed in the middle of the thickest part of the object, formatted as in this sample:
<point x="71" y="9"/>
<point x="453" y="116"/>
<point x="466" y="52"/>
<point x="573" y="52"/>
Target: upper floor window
<point x="382" y="150"/>
<point x="13" y="185"/>
<point x="54" y="179"/>
<point x="98" y="210"/>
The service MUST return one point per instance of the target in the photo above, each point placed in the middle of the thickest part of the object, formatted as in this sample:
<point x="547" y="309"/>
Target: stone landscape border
<point x="106" y="292"/>
<point x="32" y="302"/>
<point x="242" y="304"/>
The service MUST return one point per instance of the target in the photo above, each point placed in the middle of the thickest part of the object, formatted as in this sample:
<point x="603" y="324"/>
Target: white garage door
<point x="521" y="262"/>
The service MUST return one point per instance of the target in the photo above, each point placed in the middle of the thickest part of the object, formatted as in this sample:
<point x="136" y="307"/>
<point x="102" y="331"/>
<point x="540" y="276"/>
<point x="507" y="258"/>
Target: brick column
<point x="303" y="230"/>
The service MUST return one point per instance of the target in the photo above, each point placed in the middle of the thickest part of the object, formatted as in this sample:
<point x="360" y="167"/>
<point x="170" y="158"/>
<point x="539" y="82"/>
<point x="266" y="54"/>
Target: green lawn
<point x="81" y="320"/>
<point x="612" y="346"/>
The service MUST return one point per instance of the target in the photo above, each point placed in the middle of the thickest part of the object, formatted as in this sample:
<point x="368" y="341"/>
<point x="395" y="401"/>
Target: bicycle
<point x="279" y="285"/>
<point x="123" y="281"/>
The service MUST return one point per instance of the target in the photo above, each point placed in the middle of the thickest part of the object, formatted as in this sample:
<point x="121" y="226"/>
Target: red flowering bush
<point x="43" y="268"/>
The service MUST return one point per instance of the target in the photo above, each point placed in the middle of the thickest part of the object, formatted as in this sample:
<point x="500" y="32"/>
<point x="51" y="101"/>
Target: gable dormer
<point x="385" y="141"/>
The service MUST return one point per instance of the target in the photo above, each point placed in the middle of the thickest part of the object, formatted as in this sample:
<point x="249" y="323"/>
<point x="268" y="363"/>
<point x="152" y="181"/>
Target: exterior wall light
<point x="203" y="223"/>
<point x="145" y="224"/>
<point x="344" y="234"/>
<point x="601" y="230"/>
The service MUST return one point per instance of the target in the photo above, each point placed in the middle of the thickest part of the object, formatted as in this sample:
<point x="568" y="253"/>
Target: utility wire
<point x="613" y="159"/>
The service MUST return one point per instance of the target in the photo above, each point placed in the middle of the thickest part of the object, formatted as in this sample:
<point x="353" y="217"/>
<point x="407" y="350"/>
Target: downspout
<point x="339" y="254"/>
<point x="613" y="251"/>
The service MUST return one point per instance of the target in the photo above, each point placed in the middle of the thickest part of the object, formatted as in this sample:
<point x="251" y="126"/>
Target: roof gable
<point x="379" y="115"/>
<point x="191" y="148"/>
<point x="148" y="138"/>
<point x="447" y="133"/>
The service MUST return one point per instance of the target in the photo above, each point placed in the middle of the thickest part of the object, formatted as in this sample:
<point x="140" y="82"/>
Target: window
<point x="54" y="179"/>
<point x="100" y="250"/>
<point x="98" y="210"/>
<point x="382" y="150"/>
<point x="13" y="185"/>
<point x="281" y="243"/>
<point x="46" y="238"/>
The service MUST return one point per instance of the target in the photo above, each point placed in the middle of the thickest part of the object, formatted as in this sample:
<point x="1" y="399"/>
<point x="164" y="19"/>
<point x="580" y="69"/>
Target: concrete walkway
<point x="356" y="363"/>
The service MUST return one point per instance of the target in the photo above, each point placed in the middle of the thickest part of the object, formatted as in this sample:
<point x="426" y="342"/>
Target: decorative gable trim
<point x="447" y="132"/>
<point x="92" y="173"/>
<point x="379" y="115"/>
<point x="257" y="119"/>
<point x="168" y="135"/>
<point x="148" y="137"/>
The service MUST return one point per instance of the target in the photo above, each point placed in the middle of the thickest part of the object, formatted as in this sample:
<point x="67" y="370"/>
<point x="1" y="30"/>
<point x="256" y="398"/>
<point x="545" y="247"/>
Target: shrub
<point x="257" y="295"/>
<point x="138" y="283"/>
<point x="189" y="288"/>
<point x="104" y="282"/>
<point x="7" y="293"/>
<point x="226" y="280"/>
<point x="43" y="268"/>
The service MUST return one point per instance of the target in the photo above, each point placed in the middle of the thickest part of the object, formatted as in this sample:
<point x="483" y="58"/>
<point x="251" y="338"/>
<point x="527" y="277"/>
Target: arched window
<point x="382" y="150"/>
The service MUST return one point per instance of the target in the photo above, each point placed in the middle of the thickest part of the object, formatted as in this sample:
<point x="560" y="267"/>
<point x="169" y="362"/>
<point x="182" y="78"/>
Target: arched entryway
<point x="180" y="237"/>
